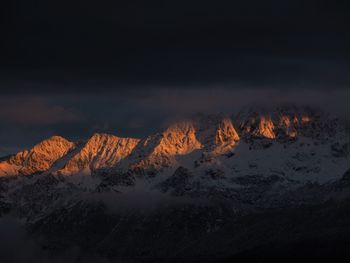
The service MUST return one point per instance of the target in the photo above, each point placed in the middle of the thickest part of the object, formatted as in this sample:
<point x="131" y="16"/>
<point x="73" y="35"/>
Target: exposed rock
<point x="217" y="134"/>
<point x="213" y="134"/>
<point x="282" y="122"/>
<point x="100" y="151"/>
<point x="160" y="150"/>
<point x="38" y="159"/>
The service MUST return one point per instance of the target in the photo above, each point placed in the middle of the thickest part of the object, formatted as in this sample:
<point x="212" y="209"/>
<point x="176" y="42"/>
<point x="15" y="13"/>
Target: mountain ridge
<point x="213" y="135"/>
<point x="201" y="181"/>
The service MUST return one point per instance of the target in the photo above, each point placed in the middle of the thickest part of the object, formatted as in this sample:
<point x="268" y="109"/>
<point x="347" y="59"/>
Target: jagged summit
<point x="160" y="149"/>
<point x="218" y="137"/>
<point x="38" y="159"/>
<point x="100" y="151"/>
<point x="285" y="121"/>
<point x="214" y="133"/>
<point x="208" y="136"/>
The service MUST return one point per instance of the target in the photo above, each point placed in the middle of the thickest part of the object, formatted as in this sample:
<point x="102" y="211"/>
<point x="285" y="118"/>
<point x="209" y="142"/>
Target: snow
<point x="100" y="151"/>
<point x="38" y="159"/>
<point x="291" y="143"/>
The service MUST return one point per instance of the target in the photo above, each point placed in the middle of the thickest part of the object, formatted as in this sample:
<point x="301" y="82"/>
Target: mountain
<point x="287" y="121"/>
<point x="100" y="151"/>
<point x="207" y="187"/>
<point x="38" y="159"/>
<point x="160" y="150"/>
<point x="211" y="134"/>
<point x="208" y="136"/>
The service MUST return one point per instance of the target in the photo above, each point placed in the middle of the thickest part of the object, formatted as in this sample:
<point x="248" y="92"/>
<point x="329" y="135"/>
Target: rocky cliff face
<point x="284" y="122"/>
<point x="210" y="134"/>
<point x="217" y="133"/>
<point x="160" y="150"/>
<point x="38" y="159"/>
<point x="100" y="151"/>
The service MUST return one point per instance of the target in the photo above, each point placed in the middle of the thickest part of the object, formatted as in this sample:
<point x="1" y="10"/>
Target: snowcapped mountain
<point x="283" y="137"/>
<point x="287" y="121"/>
<point x="100" y="151"/>
<point x="38" y="159"/>
<point x="210" y="134"/>
<point x="160" y="150"/>
<point x="208" y="170"/>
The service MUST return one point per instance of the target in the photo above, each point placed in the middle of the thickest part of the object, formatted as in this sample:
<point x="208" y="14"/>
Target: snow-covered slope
<point x="211" y="134"/>
<point x="279" y="150"/>
<point x="286" y="139"/>
<point x="38" y="159"/>
<point x="100" y="151"/>
<point x="160" y="150"/>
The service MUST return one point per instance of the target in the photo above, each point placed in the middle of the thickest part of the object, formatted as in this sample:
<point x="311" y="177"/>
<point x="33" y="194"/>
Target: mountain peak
<point x="216" y="132"/>
<point x="38" y="159"/>
<point x="273" y="122"/>
<point x="210" y="133"/>
<point x="179" y="138"/>
<point x="100" y="151"/>
<point x="160" y="150"/>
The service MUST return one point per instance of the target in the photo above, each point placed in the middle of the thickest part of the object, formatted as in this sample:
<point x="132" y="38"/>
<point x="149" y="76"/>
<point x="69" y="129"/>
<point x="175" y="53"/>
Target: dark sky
<point x="75" y="67"/>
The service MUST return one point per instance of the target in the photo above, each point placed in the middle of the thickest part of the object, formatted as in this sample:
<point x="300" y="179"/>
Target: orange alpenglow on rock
<point x="38" y="159"/>
<point x="266" y="127"/>
<point x="305" y="120"/>
<point x="288" y="125"/>
<point x="160" y="150"/>
<point x="285" y="121"/>
<point x="256" y="124"/>
<point x="211" y="135"/>
<point x="270" y="124"/>
<point x="226" y="136"/>
<point x="182" y="138"/>
<point x="226" y="133"/>
<point x="100" y="151"/>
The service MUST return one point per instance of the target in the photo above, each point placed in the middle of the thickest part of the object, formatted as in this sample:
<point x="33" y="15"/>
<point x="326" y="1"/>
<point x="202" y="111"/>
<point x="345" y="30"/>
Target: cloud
<point x="218" y="98"/>
<point x="35" y="110"/>
<point x="137" y="112"/>
<point x="138" y="199"/>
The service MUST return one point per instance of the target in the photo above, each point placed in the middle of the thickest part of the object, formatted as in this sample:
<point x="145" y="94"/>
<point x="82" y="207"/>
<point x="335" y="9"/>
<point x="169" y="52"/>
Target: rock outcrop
<point x="38" y="159"/>
<point x="100" y="151"/>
